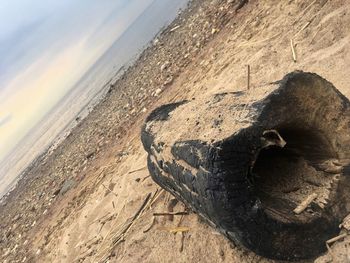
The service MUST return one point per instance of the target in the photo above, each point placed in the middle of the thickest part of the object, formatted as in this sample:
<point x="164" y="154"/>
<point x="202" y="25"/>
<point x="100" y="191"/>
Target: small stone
<point x="157" y="92"/>
<point x="165" y="66"/>
<point x="67" y="185"/>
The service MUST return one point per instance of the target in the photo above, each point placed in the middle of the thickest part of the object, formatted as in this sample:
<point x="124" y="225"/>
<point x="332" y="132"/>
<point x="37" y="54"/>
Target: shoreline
<point x="72" y="207"/>
<point x="99" y="96"/>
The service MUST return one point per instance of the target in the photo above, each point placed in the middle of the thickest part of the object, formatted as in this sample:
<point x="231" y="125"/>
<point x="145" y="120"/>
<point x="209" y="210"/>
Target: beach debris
<point x="293" y="50"/>
<point x="335" y="239"/>
<point x="248" y="77"/>
<point x="150" y="225"/>
<point x="100" y="219"/>
<point x="214" y="30"/>
<point x="90" y="154"/>
<point x="157" y="92"/>
<point x="346" y="223"/>
<point x="156" y="196"/>
<point x="165" y="65"/>
<point x="174" y="28"/>
<point x="305" y="203"/>
<point x="171" y="213"/>
<point x="67" y="185"/>
<point x="182" y="241"/>
<point x="332" y="166"/>
<point x="109" y="190"/>
<point x="137" y="170"/>
<point x="305" y="26"/>
<point x="122" y="154"/>
<point x="175" y="230"/>
<point x="119" y="235"/>
<point x="172" y="203"/>
<point x="145" y="178"/>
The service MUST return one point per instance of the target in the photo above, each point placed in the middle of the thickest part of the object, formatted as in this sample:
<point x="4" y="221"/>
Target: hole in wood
<point x="303" y="166"/>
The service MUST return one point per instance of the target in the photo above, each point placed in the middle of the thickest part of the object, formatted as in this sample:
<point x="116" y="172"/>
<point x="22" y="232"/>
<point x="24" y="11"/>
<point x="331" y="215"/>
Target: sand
<point x="205" y="51"/>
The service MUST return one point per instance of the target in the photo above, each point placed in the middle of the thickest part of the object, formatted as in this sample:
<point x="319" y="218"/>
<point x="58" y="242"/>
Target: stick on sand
<point x="293" y="50"/>
<point x="171" y="213"/>
<point x="109" y="190"/>
<point x="248" y="77"/>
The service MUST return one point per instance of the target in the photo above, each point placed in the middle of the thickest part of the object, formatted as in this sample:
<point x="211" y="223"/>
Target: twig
<point x="166" y="198"/>
<point x="182" y="241"/>
<point x="150" y="226"/>
<point x="174" y="28"/>
<point x="99" y="219"/>
<point x="109" y="190"/>
<point x="137" y="170"/>
<point x="304" y="204"/>
<point x="148" y="176"/>
<point x="101" y="227"/>
<point x="171" y="213"/>
<point x="305" y="26"/>
<point x="180" y="221"/>
<point x="293" y="50"/>
<point x="334" y="239"/>
<point x="156" y="197"/>
<point x="330" y="252"/>
<point x="137" y="214"/>
<point x="172" y="203"/>
<point x="113" y="204"/>
<point x="248" y="77"/>
<point x="120" y="236"/>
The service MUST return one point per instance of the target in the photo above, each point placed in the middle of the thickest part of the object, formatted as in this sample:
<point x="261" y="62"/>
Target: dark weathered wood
<point x="224" y="156"/>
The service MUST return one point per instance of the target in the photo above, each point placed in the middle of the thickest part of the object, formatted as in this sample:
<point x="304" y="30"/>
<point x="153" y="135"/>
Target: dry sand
<point x="62" y="211"/>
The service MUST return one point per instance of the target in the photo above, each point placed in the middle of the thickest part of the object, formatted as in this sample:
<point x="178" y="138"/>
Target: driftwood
<point x="230" y="158"/>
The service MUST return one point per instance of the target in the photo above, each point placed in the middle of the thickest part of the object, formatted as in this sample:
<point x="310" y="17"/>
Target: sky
<point x="45" y="48"/>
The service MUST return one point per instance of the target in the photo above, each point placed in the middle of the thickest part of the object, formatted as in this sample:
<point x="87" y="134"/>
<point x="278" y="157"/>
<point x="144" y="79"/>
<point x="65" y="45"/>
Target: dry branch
<point x="137" y="170"/>
<point x="304" y="204"/>
<point x="293" y="50"/>
<point x="171" y="213"/>
<point x="150" y="226"/>
<point x="248" y="77"/>
<point x="110" y="190"/>
<point x="334" y="239"/>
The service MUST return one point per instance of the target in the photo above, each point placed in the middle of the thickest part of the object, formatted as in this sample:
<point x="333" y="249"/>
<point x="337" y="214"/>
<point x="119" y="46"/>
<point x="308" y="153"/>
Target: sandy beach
<point x="82" y="202"/>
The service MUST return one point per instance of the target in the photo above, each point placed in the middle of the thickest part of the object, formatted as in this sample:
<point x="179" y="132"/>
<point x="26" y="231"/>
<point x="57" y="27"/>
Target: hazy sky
<point x="45" y="47"/>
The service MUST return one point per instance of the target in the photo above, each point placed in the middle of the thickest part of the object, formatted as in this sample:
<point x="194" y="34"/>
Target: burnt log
<point x="245" y="160"/>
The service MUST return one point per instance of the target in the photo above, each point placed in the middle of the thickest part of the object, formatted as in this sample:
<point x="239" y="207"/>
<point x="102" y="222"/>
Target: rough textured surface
<point x="222" y="166"/>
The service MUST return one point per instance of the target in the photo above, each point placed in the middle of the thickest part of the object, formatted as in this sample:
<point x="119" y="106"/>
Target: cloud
<point x="32" y="28"/>
<point x="5" y="119"/>
<point x="45" y="48"/>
